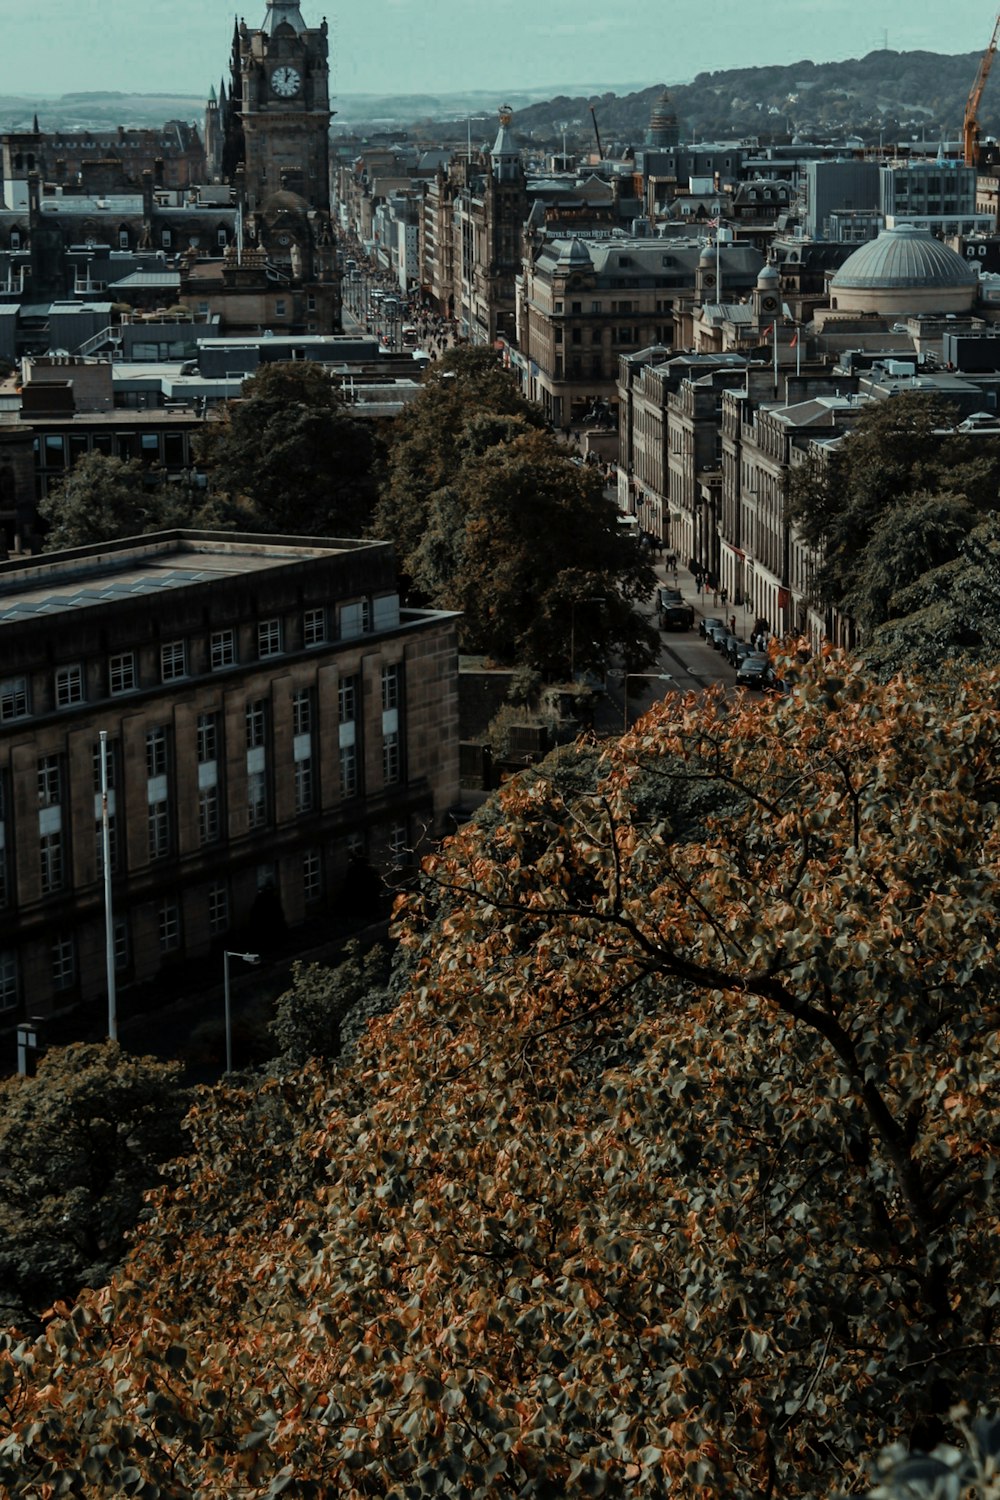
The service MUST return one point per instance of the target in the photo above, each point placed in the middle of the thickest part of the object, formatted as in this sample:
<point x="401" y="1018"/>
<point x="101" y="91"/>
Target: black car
<point x="755" y="672"/>
<point x="707" y="621"/>
<point x="669" y="595"/>
<point x="677" y="616"/>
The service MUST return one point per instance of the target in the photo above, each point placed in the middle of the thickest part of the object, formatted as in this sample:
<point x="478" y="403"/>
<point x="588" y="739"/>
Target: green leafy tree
<point x="99" y="500"/>
<point x="909" y="540"/>
<point x="901" y="454"/>
<point x="293" y="454"/>
<point x="80" y="1144"/>
<point x="492" y="517"/>
<point x="950" y="615"/>
<point x="309" y="1016"/>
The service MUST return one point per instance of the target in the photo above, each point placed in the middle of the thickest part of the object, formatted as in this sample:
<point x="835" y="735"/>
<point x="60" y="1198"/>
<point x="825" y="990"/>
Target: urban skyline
<point x="389" y="46"/>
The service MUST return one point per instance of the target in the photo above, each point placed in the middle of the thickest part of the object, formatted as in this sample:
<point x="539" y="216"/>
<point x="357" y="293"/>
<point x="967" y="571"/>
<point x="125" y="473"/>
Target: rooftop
<point x="145" y="567"/>
<point x="904" y="257"/>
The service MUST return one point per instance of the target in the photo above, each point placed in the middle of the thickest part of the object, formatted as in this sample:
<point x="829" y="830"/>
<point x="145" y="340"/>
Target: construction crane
<point x="593" y="114"/>
<point x="970" y="127"/>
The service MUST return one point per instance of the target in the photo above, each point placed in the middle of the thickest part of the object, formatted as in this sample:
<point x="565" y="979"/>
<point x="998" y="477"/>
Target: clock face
<point x="709" y="278"/>
<point x="769" y="303"/>
<point x="285" y="82"/>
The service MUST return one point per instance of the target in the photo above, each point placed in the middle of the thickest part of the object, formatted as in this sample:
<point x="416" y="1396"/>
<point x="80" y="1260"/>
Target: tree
<point x="293" y="452"/>
<point x="900" y="455"/>
<point x="493" y="518"/>
<point x="909" y="541"/>
<point x="80" y="1143"/>
<point x="99" y="500"/>
<point x="968" y="1472"/>
<point x="468" y="405"/>
<point x="950" y="615"/>
<point x="674" y="1168"/>
<point x="310" y="1015"/>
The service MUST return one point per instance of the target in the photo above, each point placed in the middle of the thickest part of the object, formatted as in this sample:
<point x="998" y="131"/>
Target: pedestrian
<point x="732" y="624"/>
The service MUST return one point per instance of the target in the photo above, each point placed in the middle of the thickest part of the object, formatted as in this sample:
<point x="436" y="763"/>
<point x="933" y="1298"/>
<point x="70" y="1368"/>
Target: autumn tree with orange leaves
<point x="673" y="1170"/>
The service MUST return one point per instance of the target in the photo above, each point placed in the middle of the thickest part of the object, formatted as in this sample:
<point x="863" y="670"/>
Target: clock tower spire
<point x="279" y="100"/>
<point x="285" y="108"/>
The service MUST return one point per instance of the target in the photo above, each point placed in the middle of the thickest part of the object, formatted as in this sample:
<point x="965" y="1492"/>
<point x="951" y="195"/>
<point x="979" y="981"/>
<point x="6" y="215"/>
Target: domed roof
<point x="904" y="257"/>
<point x="768" y="275"/>
<point x="574" y="253"/>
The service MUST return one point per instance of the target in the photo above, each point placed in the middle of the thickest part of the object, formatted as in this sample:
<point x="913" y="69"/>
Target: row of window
<point x="61" y="450"/>
<point x="123" y="676"/>
<point x="63" y="950"/>
<point x="159" y="821"/>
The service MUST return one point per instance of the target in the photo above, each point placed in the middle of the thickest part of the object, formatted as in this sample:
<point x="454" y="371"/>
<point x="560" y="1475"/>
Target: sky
<point x="50" y="47"/>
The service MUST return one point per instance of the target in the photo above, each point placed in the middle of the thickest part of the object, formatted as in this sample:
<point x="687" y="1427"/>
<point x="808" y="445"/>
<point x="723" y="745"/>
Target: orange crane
<point x="970" y="126"/>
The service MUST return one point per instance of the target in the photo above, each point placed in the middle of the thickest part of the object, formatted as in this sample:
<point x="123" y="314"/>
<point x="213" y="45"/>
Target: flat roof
<point x="143" y="567"/>
<point x="124" y="417"/>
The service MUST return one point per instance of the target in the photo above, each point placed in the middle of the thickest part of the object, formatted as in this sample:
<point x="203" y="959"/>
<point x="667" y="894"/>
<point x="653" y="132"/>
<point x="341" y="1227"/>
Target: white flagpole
<point x="109" y="921"/>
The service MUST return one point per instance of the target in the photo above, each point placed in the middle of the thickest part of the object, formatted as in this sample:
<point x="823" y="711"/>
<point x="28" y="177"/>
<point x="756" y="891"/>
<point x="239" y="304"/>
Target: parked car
<point x="677" y="616"/>
<point x="716" y="634"/>
<point x="740" y="652"/>
<point x="707" y="621"/>
<point x="669" y="595"/>
<point x="755" y="671"/>
<point x="729" y="644"/>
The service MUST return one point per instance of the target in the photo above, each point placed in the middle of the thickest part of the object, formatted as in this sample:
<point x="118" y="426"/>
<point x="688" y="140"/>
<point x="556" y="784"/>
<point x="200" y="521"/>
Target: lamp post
<point x="109" y="921"/>
<point x="248" y="958"/>
<point x="627" y="678"/>
<point x="590" y="599"/>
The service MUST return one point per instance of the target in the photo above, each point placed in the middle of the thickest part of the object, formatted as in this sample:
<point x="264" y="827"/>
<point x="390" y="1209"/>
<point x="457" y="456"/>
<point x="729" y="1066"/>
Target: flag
<point x="794" y="341"/>
<point x="712" y="223"/>
<point x="766" y="332"/>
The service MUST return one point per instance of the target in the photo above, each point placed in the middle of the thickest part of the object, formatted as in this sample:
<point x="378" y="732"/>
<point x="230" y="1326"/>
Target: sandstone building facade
<point x="271" y="714"/>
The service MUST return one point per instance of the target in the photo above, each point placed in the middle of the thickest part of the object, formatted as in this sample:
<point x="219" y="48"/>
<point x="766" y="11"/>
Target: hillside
<point x="893" y="94"/>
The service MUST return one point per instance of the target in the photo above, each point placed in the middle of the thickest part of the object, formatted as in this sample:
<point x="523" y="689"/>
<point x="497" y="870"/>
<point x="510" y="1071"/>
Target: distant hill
<point x="898" y="95"/>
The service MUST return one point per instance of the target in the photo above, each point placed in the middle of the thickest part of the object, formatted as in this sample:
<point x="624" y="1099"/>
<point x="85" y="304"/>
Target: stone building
<point x="584" y="301"/>
<point x="271" y="715"/>
<point x="88" y="161"/>
<point x="668" y="435"/>
<point x="473" y="216"/>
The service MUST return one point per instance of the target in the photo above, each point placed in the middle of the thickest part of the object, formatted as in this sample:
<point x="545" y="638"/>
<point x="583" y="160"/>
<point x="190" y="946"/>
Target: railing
<point x="97" y="341"/>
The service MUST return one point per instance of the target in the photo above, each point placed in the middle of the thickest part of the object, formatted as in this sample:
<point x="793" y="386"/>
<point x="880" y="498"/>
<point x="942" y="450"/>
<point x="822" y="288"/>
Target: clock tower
<point x="285" y="109"/>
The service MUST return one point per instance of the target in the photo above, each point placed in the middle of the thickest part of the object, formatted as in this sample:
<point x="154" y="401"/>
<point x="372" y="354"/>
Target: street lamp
<point x="650" y="677"/>
<point x="590" y="599"/>
<point x="248" y="958"/>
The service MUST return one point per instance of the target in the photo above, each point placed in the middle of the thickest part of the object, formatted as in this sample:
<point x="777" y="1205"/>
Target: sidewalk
<point x="706" y="602"/>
